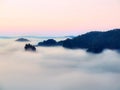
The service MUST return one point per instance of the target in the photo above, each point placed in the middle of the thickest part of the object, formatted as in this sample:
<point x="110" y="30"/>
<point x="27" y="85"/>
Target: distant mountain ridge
<point x="95" y="41"/>
<point x="22" y="40"/>
<point x="37" y="37"/>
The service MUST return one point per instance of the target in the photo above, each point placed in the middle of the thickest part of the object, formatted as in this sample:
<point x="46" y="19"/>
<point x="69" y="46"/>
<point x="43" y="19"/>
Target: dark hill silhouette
<point x="94" y="41"/>
<point x="22" y="40"/>
<point x="49" y="42"/>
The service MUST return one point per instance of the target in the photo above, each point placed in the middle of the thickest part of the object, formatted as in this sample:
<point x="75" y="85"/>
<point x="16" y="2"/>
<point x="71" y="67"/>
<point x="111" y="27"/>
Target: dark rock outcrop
<point x="22" y="40"/>
<point x="29" y="47"/>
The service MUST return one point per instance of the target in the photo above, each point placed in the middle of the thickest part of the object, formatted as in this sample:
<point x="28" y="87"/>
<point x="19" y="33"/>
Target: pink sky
<point x="57" y="17"/>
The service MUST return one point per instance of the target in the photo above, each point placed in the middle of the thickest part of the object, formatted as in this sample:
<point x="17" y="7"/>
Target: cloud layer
<point x="56" y="68"/>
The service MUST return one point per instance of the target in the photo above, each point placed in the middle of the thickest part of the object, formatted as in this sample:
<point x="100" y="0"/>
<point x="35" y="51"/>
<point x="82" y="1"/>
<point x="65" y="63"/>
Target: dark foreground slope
<point x="94" y="41"/>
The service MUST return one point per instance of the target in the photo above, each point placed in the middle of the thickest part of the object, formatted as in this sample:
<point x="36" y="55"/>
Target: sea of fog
<point x="56" y="68"/>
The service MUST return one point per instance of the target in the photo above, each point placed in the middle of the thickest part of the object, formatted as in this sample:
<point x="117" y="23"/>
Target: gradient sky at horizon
<point x="57" y="17"/>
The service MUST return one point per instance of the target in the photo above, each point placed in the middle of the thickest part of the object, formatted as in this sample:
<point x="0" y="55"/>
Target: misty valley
<point x="56" y="67"/>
